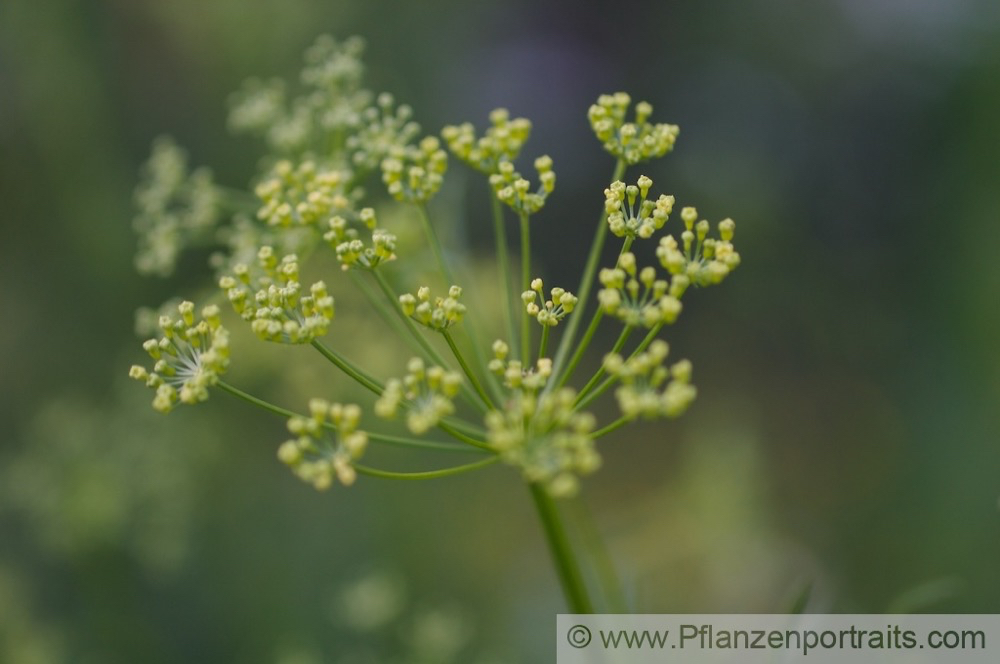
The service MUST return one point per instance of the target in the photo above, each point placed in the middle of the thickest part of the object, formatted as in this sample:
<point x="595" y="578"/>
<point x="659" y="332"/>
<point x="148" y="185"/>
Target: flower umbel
<point x="190" y="357"/>
<point x="704" y="260"/>
<point x="551" y="311"/>
<point x="546" y="439"/>
<point x="515" y="191"/>
<point x="635" y="141"/>
<point x="438" y="315"/>
<point x="642" y="378"/>
<point x="427" y="393"/>
<point x="502" y="142"/>
<point x="625" y="220"/>
<point x="326" y="444"/>
<point x="639" y="297"/>
<point x="273" y="302"/>
<point x="414" y="174"/>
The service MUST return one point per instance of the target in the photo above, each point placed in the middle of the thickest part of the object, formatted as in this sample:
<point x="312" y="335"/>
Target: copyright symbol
<point x="578" y="636"/>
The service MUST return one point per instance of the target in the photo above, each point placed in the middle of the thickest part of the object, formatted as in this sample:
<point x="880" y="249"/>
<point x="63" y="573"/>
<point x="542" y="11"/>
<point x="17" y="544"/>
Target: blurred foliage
<point x="846" y="433"/>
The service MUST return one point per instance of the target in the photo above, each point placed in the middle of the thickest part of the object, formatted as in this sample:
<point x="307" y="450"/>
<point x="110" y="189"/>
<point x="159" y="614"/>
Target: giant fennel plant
<point x="510" y="399"/>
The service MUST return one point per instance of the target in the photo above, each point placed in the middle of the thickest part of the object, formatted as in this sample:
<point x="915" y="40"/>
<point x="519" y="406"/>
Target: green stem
<point x="426" y="474"/>
<point x="617" y="424"/>
<point x="411" y="327"/>
<point x="568" y="567"/>
<point x="503" y="260"/>
<point x="544" y="342"/>
<point x="525" y="285"/>
<point x="587" y="280"/>
<point x="626" y="331"/>
<point x="603" y="387"/>
<point x="377" y="437"/>
<point x="435" y="243"/>
<point x="354" y="372"/>
<point x="607" y="576"/>
<point x="452" y="430"/>
<point x="387" y="313"/>
<point x="584" y="343"/>
<point x="468" y="372"/>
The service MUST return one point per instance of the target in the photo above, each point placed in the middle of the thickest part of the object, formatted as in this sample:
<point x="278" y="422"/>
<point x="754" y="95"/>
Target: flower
<point x="190" y="357"/>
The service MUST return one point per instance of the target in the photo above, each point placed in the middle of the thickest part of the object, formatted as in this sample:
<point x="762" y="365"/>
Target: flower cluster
<point x="313" y="456"/>
<point x="551" y="311"/>
<point x="627" y="221"/>
<point x="350" y="248"/>
<point x="515" y="375"/>
<point x="637" y="297"/>
<point x="382" y="128"/>
<point x="175" y="207"/>
<point x="273" y="302"/>
<point x="438" y="315"/>
<point x="502" y="141"/>
<point x="427" y="393"/>
<point x="635" y="141"/>
<point x="414" y="174"/>
<point x="642" y="377"/>
<point x="704" y="260"/>
<point x="306" y="195"/>
<point x="332" y="105"/>
<point x="546" y="439"/>
<point x="190" y="357"/>
<point x="515" y="191"/>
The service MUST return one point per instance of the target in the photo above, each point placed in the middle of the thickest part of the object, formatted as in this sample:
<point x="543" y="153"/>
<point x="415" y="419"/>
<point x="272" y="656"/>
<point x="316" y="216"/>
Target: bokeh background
<point x="846" y="438"/>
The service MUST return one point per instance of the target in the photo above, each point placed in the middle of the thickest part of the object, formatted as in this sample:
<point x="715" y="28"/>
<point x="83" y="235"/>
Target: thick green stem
<point x="503" y="261"/>
<point x="587" y="280"/>
<point x="468" y="372"/>
<point x="563" y="555"/>
<point x="525" y="285"/>
<point x="426" y="474"/>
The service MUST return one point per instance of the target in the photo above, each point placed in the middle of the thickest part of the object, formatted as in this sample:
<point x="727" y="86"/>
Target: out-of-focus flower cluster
<point x="270" y="298"/>
<point x="502" y="142"/>
<point x="515" y="191"/>
<point x="175" y="207"/>
<point x="638" y="297"/>
<point x="544" y="437"/>
<point x="413" y="174"/>
<point x="426" y="393"/>
<point x="647" y="387"/>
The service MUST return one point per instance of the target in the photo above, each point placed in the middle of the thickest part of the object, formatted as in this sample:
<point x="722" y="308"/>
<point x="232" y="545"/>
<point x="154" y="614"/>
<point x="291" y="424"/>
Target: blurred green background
<point x="847" y="431"/>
